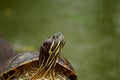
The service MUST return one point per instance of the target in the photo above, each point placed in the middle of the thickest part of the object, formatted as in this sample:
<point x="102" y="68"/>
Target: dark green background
<point x="91" y="29"/>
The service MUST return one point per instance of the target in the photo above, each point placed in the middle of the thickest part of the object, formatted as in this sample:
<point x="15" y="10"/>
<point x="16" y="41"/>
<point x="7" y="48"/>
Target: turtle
<point x="47" y="64"/>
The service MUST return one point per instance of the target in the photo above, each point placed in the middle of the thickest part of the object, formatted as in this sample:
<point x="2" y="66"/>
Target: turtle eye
<point x="73" y="77"/>
<point x="54" y="37"/>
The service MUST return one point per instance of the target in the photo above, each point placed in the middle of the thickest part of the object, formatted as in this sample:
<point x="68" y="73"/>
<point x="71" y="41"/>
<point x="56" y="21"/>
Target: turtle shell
<point x="46" y="64"/>
<point x="27" y="63"/>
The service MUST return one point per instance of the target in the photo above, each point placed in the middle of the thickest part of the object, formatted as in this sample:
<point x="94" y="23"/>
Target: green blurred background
<point x="91" y="29"/>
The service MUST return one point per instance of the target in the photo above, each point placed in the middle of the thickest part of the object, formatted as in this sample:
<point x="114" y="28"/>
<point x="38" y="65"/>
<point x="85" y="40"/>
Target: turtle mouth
<point x="58" y="41"/>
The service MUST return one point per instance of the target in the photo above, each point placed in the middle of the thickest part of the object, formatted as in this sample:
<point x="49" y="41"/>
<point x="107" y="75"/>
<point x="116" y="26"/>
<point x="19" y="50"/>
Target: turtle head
<point x="50" y="49"/>
<point x="49" y="53"/>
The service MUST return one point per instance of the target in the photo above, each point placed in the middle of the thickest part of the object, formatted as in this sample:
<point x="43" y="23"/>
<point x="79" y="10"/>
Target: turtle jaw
<point x="58" y="42"/>
<point x="50" y="48"/>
